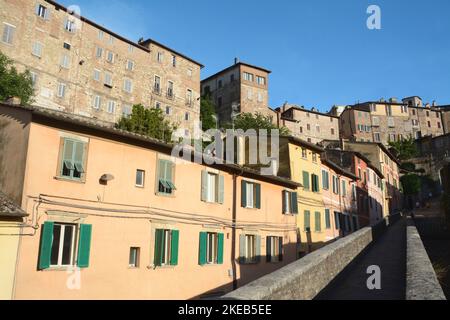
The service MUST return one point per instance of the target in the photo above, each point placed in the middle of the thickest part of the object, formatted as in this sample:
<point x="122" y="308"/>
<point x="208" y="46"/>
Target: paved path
<point x="389" y="253"/>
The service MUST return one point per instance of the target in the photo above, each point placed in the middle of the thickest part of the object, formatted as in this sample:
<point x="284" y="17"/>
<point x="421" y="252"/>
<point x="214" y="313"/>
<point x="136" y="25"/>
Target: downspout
<point x="233" y="230"/>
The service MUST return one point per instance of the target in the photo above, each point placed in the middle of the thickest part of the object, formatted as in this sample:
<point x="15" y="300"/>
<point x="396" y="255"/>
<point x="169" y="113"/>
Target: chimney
<point x="236" y="60"/>
<point x="393" y="100"/>
<point x="14" y="101"/>
<point x="434" y="103"/>
<point x="382" y="100"/>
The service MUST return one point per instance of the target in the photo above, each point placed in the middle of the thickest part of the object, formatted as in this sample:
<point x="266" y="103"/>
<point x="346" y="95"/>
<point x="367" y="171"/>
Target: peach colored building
<point x="113" y="215"/>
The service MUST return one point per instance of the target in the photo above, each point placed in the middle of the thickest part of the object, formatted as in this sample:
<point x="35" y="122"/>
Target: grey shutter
<point x="268" y="249"/>
<point x="294" y="201"/>
<point x="257" y="196"/>
<point x="243" y="193"/>
<point x="221" y="195"/>
<point x="284" y="195"/>
<point x="280" y="243"/>
<point x="258" y="248"/>
<point x="242" y="248"/>
<point x="204" y="185"/>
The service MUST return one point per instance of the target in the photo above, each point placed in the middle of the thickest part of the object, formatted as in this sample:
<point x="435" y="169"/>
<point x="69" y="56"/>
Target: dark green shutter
<point x="268" y="249"/>
<point x="202" y="248"/>
<point x="243" y="193"/>
<point x="306" y="180"/>
<point x="84" y="245"/>
<point x="280" y="243"/>
<point x="159" y="240"/>
<point x="327" y="219"/>
<point x="220" y="241"/>
<point x="284" y="202"/>
<point x="174" y="247"/>
<point x="46" y="245"/>
<point x="294" y="201"/>
<point x="257" y="196"/>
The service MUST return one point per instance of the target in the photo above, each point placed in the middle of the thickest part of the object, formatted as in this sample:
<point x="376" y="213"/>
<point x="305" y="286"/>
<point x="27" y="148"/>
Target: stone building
<point x="390" y="121"/>
<point x="445" y="114"/>
<point x="83" y="68"/>
<point x="309" y="125"/>
<point x="240" y="88"/>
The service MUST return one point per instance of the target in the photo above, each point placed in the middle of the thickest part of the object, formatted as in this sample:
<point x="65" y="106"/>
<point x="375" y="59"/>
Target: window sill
<point x="61" y="269"/>
<point x="69" y="180"/>
<point x="167" y="195"/>
<point x="165" y="267"/>
<point x="210" y="265"/>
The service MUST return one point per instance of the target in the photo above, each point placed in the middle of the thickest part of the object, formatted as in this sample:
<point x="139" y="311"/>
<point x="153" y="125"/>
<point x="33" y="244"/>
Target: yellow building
<point x="10" y="222"/>
<point x="303" y="165"/>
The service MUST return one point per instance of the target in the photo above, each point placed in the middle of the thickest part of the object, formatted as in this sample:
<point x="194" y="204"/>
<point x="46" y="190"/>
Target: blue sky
<point x="320" y="51"/>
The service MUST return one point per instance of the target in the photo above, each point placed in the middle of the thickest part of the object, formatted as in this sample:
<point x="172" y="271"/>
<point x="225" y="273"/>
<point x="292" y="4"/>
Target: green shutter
<point x="268" y="249"/>
<point x="174" y="247"/>
<point x="306" y="180"/>
<point x="84" y="245"/>
<point x="159" y="240"/>
<point x="307" y="219"/>
<point x="204" y="196"/>
<point x="294" y="200"/>
<point x="258" y="248"/>
<point x="317" y="183"/>
<point x="67" y="158"/>
<point x="202" y="248"/>
<point x="243" y="193"/>
<point x="327" y="219"/>
<point x="318" y="222"/>
<point x="220" y="241"/>
<point x="280" y="243"/>
<point x="257" y="196"/>
<point x="284" y="202"/>
<point x="46" y="245"/>
<point x="221" y="195"/>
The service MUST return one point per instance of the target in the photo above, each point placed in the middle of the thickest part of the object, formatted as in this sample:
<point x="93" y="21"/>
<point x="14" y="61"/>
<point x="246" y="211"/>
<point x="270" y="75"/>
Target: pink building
<point x="113" y="216"/>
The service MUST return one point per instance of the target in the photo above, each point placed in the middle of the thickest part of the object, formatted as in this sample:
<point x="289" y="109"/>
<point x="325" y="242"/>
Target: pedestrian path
<point x="389" y="253"/>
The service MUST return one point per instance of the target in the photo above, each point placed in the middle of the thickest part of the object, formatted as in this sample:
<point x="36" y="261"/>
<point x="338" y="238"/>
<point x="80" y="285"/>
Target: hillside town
<point x="92" y="206"/>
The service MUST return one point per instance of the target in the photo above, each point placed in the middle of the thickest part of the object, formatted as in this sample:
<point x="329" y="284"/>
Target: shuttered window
<point x="274" y="249"/>
<point x="249" y="248"/>
<point x="166" y="177"/>
<point x="327" y="219"/>
<point x="315" y="183"/>
<point x="307" y="220"/>
<point x="290" y="202"/>
<point x="250" y="195"/>
<point x="325" y="180"/>
<point x="73" y="159"/>
<point x="318" y="222"/>
<point x="166" y="247"/>
<point x="211" y="248"/>
<point x="306" y="180"/>
<point x="212" y="187"/>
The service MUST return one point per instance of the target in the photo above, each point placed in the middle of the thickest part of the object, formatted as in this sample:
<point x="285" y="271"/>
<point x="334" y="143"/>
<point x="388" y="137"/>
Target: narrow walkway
<point x="389" y="253"/>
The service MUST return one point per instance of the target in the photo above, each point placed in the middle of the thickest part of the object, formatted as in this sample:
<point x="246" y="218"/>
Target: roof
<point x="234" y="66"/>
<point x="133" y="43"/>
<point x="380" y="145"/>
<point x="365" y="159"/>
<point x="64" y="118"/>
<point x="304" y="143"/>
<point x="9" y="209"/>
<point x="296" y="107"/>
<point x="338" y="169"/>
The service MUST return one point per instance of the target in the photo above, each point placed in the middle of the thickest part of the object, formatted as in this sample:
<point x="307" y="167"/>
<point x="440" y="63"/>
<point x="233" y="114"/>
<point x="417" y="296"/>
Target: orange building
<point x="112" y="215"/>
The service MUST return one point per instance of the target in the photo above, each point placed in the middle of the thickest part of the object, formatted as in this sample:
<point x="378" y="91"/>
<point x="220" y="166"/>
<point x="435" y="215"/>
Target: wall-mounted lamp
<point x="105" y="178"/>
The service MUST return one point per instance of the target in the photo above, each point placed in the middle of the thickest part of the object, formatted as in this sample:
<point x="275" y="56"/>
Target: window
<point x="70" y="25"/>
<point x="307" y="220"/>
<point x="42" y="11"/>
<point x="250" y="248"/>
<point x="110" y="56"/>
<point x="250" y="195"/>
<point x="100" y="34"/>
<point x="58" y="247"/>
<point x="290" y="202"/>
<point x="130" y="65"/>
<point x="130" y="48"/>
<point x="314" y="157"/>
<point x="335" y="185"/>
<point x="168" y="110"/>
<point x="389" y="110"/>
<point x="61" y="90"/>
<point x="67" y="46"/>
<point x="170" y="89"/>
<point x="344" y="188"/>
<point x="189" y="72"/>
<point x="315" y="183"/>
<point x="211" y="248"/>
<point x="248" y="76"/>
<point x="65" y="61"/>
<point x="308" y="126"/>
<point x="187" y="116"/>
<point x="219" y="101"/>
<point x="157" y="84"/>
<point x="34" y="78"/>
<point x="327" y="219"/>
<point x="306" y="180"/>
<point x="98" y="52"/>
<point x="111" y="39"/>
<point x="174" y="61"/>
<point x="157" y="105"/>
<point x="140" y="178"/>
<point x="160" y="56"/>
<point x="111" y="107"/>
<point x="212" y="187"/>
<point x="377" y="137"/>
<point x="220" y="84"/>
<point x="133" y="261"/>
<point x="274" y="249"/>
<point x="97" y="102"/>
<point x="128" y="86"/>
<point x="73" y="158"/>
<point x="318" y="222"/>
<point x="166" y="177"/>
<point x="37" y="49"/>
<point x="260" y="97"/>
<point x="353" y="192"/>
<point x="332" y="131"/>
<point x="249" y="94"/>
<point x="189" y="97"/>
<point x="439" y="125"/>
<point x="260" y="80"/>
<point x="96" y="75"/>
<point x="429" y="124"/>
<point x="337" y="220"/>
<point x="108" y="79"/>
<point x="166" y="247"/>
<point x="325" y="180"/>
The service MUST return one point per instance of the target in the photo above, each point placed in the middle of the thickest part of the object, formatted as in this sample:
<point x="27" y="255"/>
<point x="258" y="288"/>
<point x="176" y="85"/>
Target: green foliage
<point x="411" y="184"/>
<point x="408" y="166"/>
<point x="246" y="121"/>
<point x="148" y="122"/>
<point x="405" y="149"/>
<point x="13" y="83"/>
<point x="207" y="113"/>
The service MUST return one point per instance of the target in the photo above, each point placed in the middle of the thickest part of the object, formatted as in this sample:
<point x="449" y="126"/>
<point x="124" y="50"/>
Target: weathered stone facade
<point x="242" y="86"/>
<point x="309" y="125"/>
<point x="82" y="68"/>
<point x="445" y="114"/>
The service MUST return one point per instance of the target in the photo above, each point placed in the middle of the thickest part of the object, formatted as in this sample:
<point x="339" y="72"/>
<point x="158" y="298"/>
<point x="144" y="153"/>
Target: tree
<point x="13" y="83"/>
<point x="405" y="149"/>
<point x="411" y="184"/>
<point x="147" y="122"/>
<point x="246" y="121"/>
<point x="207" y="113"/>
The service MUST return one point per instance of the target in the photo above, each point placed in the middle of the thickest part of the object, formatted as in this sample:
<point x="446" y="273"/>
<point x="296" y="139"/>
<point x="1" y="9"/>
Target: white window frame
<point x="128" y="85"/>
<point x="250" y="248"/>
<point x="110" y="57"/>
<point x="274" y="248"/>
<point x="61" y="245"/>
<point x="42" y="11"/>
<point x="127" y="110"/>
<point x="111" y="107"/>
<point x="61" y="90"/>
<point x="160" y="56"/>
<point x="108" y="76"/>
<point x="142" y="173"/>
<point x="130" y="65"/>
<point x="65" y="61"/>
<point x="97" y="102"/>
<point x="212" y="187"/>
<point x="37" y="49"/>
<point x="9" y="30"/>
<point x="189" y="96"/>
<point x="136" y="257"/>
<point x="167" y="247"/>
<point x="70" y="25"/>
<point x="97" y="75"/>
<point x="212" y="248"/>
<point x="250" y="195"/>
<point x="98" y="52"/>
